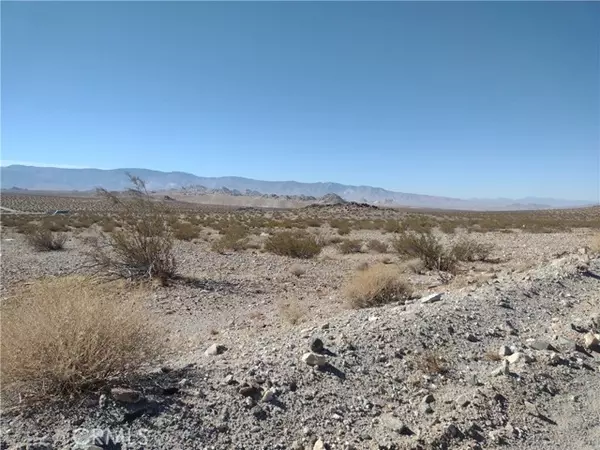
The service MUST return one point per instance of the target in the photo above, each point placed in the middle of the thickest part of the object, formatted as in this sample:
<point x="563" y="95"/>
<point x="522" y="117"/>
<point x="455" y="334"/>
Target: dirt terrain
<point x="496" y="354"/>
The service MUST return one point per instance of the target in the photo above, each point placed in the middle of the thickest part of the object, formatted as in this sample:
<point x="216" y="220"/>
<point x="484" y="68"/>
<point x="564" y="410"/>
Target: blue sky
<point x="473" y="99"/>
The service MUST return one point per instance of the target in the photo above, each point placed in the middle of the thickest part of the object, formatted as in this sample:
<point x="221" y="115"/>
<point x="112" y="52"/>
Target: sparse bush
<point x="350" y="246"/>
<point x="44" y="240"/>
<point x="393" y="226"/>
<point x="144" y="246"/>
<point x="299" y="244"/>
<point x="431" y="363"/>
<point x="469" y="250"/>
<point x="232" y="238"/>
<point x="376" y="285"/>
<point x="185" y="231"/>
<point x="377" y="246"/>
<point x="428" y="248"/>
<point x="65" y="335"/>
<point x="108" y="226"/>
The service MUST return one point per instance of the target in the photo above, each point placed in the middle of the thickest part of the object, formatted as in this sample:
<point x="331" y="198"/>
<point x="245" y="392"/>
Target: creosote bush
<point x="66" y="335"/>
<point x="44" y="240"/>
<point x="377" y="246"/>
<point x="425" y="246"/>
<point x="299" y="244"/>
<point x="469" y="250"/>
<point x="185" y="231"/>
<point x="348" y="246"/>
<point x="376" y="285"/>
<point x="233" y="238"/>
<point x="143" y="248"/>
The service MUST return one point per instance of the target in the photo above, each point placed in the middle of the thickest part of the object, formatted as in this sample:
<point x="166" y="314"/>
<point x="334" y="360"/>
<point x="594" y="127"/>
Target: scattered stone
<point x="519" y="357"/>
<point x="125" y="395"/>
<point x="316" y="345"/>
<point x="319" y="445"/>
<point x="505" y="351"/>
<point x="471" y="337"/>
<point x="325" y="326"/>
<point x="539" y="344"/>
<point x="463" y="401"/>
<point x="229" y="380"/>
<point x="590" y="340"/>
<point x="313" y="359"/>
<point x="249" y="391"/>
<point x="215" y="349"/>
<point x="268" y="395"/>
<point x="502" y="370"/>
<point x="432" y="298"/>
<point x="429" y="398"/>
<point x="102" y="401"/>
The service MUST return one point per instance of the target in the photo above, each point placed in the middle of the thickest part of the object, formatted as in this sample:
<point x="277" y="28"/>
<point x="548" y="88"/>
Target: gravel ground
<point x="414" y="375"/>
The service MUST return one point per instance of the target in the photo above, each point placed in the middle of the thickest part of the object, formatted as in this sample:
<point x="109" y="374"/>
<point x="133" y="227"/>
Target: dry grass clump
<point x="376" y="285"/>
<point x="348" y="246"/>
<point x="469" y="250"/>
<point x="144" y="245"/>
<point x="64" y="335"/>
<point x="44" y="240"/>
<point x="377" y="246"/>
<point x="299" y="244"/>
<point x="426" y="247"/>
<point x="292" y="311"/>
<point x="432" y="363"/>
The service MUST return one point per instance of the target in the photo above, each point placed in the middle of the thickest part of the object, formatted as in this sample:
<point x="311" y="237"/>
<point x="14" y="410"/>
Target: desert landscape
<point x="157" y="321"/>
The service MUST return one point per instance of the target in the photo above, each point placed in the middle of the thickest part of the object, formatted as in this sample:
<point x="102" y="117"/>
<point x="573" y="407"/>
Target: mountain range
<point x="60" y="179"/>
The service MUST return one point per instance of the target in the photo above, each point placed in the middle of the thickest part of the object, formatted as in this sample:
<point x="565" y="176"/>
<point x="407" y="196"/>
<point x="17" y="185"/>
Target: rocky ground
<point x="264" y="358"/>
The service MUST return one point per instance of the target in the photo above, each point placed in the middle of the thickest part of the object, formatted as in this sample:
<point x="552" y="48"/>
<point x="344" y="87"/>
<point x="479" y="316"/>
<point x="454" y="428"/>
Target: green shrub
<point x="299" y="244"/>
<point x="427" y="248"/>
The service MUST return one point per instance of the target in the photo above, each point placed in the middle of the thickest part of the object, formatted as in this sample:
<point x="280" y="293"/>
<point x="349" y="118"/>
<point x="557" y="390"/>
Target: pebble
<point x="539" y="344"/>
<point x="316" y="345"/>
<point x="502" y="370"/>
<point x="432" y="298"/>
<point x="590" y="340"/>
<point x="215" y="349"/>
<point x="319" y="445"/>
<point x="313" y="359"/>
<point x="125" y="395"/>
<point x="505" y="351"/>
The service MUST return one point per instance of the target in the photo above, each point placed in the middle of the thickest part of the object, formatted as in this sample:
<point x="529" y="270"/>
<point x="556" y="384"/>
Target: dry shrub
<point x="292" y="311"/>
<point x="377" y="246"/>
<point x="297" y="270"/>
<point x="492" y="355"/>
<point x="64" y="335"/>
<point x="376" y="285"/>
<point x="393" y="226"/>
<point x="299" y="244"/>
<point x="185" y="231"/>
<point x="232" y="238"/>
<point x="44" y="240"/>
<point x="469" y="250"/>
<point x="432" y="363"/>
<point x="109" y="226"/>
<point x="426" y="247"/>
<point x="144" y="245"/>
<point x="348" y="246"/>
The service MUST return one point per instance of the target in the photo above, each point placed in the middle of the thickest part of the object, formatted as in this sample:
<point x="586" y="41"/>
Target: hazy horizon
<point x="464" y="100"/>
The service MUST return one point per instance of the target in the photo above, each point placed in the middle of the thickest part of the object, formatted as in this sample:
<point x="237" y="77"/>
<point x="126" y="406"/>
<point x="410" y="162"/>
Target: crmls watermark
<point x="83" y="437"/>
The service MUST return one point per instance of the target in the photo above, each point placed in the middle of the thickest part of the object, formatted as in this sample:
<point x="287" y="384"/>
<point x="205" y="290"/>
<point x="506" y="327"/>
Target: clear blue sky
<point x="472" y="99"/>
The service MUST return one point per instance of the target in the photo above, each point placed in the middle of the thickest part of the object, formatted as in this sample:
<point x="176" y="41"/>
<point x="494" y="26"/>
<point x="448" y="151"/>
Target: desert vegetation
<point x="375" y="286"/>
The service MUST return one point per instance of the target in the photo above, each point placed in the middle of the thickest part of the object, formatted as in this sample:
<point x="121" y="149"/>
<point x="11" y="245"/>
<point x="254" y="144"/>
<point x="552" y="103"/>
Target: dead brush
<point x="376" y="285"/>
<point x="432" y="363"/>
<point x="44" y="240"/>
<point x="62" y="336"/>
<point x="143" y="248"/>
<point x="348" y="246"/>
<point x="469" y="250"/>
<point x="292" y="311"/>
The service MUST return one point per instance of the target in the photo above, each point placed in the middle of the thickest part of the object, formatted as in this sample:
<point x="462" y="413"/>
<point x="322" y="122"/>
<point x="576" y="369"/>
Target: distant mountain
<point x="58" y="179"/>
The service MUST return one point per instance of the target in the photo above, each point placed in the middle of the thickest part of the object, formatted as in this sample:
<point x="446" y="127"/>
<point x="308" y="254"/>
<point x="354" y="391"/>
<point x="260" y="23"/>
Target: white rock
<point x="312" y="359"/>
<point x="502" y="370"/>
<point x="590" y="340"/>
<point x="215" y="349"/>
<point x="519" y="357"/>
<point x="319" y="445"/>
<point x="432" y="298"/>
